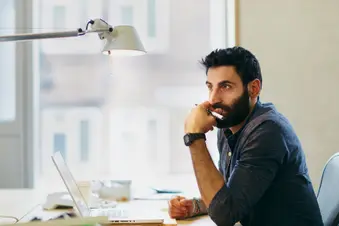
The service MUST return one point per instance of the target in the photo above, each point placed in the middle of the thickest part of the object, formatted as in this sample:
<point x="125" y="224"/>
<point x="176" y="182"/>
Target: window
<point x="84" y="140"/>
<point x="127" y="15"/>
<point x="152" y="132"/>
<point x="84" y="4"/>
<point x="151" y="18"/>
<point x="59" y="16"/>
<point x="7" y="64"/>
<point x="67" y="15"/>
<point x="130" y="124"/>
<point x="60" y="144"/>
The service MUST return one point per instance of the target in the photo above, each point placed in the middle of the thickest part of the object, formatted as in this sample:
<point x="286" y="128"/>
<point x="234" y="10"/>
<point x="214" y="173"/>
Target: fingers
<point x="175" y="204"/>
<point x="208" y="107"/>
<point x="186" y="203"/>
<point x="178" y="208"/>
<point x="206" y="104"/>
<point x="178" y="215"/>
<point x="179" y="197"/>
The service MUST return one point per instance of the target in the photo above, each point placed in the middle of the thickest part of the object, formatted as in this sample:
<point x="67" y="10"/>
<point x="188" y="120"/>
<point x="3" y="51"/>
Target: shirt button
<point x="229" y="154"/>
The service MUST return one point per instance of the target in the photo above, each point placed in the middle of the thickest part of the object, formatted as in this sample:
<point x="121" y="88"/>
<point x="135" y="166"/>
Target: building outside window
<point x="84" y="140"/>
<point x="151" y="18"/>
<point x="59" y="16"/>
<point x="124" y="117"/>
<point x="127" y="15"/>
<point x="59" y="143"/>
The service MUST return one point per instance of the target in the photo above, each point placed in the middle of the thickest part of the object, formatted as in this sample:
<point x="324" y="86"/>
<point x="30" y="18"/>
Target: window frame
<point x="26" y="93"/>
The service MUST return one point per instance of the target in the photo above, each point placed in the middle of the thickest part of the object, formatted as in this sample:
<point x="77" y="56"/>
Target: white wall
<point x="297" y="44"/>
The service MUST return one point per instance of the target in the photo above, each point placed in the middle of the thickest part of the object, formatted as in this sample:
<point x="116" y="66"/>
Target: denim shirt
<point x="265" y="172"/>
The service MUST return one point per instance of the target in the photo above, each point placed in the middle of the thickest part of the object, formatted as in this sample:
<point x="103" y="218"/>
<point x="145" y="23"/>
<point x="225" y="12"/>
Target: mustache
<point x="221" y="106"/>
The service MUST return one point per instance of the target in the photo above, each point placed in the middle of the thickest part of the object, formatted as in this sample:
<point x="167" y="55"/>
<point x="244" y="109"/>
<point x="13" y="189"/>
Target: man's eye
<point x="225" y="86"/>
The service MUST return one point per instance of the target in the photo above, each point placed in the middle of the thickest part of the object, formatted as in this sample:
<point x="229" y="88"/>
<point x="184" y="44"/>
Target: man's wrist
<point x="198" y="208"/>
<point x="197" y="143"/>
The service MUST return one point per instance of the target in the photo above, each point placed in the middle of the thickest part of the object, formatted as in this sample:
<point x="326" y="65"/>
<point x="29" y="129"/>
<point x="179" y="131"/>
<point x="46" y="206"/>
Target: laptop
<point x="115" y="215"/>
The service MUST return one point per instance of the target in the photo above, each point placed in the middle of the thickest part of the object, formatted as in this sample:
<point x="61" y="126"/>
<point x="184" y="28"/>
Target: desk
<point x="25" y="202"/>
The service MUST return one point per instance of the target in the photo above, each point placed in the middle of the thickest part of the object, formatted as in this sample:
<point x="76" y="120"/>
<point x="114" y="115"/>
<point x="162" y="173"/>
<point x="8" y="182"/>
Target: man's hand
<point x="179" y="207"/>
<point x="199" y="121"/>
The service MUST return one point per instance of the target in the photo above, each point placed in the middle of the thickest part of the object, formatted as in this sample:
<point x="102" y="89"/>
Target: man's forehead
<point x="221" y="73"/>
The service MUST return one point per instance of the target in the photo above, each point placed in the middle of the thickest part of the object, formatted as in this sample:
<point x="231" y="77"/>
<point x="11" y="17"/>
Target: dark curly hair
<point x="244" y="62"/>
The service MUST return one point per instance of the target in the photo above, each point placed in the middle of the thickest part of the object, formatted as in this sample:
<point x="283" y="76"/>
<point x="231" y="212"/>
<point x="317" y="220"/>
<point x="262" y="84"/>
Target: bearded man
<point x="262" y="177"/>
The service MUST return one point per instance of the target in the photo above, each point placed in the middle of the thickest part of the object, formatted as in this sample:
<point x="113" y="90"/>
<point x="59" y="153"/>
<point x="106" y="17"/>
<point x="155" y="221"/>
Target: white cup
<point x="85" y="188"/>
<point x="118" y="190"/>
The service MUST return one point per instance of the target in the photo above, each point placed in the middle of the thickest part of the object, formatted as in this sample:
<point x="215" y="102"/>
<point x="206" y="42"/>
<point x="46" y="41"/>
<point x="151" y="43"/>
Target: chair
<point x="328" y="193"/>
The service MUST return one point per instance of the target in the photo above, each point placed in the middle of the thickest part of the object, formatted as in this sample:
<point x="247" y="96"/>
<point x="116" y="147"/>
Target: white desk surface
<point x="24" y="203"/>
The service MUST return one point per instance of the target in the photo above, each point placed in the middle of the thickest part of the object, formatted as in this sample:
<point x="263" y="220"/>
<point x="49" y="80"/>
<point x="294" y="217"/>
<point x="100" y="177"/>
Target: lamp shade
<point x="123" y="41"/>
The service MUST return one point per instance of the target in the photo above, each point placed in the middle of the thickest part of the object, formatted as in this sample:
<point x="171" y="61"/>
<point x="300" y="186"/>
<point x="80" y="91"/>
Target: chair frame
<point x="336" y="219"/>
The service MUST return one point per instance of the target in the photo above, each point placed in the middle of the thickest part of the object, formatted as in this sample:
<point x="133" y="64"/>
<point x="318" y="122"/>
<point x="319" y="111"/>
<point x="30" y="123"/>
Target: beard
<point x="235" y="113"/>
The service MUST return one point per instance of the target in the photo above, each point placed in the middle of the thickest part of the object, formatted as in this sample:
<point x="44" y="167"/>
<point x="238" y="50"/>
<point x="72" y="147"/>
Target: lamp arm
<point x="48" y="35"/>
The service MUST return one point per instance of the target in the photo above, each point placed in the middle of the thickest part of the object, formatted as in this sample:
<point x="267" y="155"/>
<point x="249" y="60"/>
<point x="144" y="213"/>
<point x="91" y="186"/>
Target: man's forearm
<point x="208" y="177"/>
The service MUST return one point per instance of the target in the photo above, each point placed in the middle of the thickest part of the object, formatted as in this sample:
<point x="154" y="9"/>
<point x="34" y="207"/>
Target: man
<point x="262" y="177"/>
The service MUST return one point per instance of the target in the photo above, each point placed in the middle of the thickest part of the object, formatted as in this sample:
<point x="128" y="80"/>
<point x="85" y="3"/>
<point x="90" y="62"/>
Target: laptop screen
<point x="71" y="185"/>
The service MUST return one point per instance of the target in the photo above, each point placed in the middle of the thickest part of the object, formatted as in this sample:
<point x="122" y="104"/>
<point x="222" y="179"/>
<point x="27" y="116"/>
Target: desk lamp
<point x="119" y="40"/>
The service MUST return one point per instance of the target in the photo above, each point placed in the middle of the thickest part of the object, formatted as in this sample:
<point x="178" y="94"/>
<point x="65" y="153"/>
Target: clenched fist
<point x="179" y="207"/>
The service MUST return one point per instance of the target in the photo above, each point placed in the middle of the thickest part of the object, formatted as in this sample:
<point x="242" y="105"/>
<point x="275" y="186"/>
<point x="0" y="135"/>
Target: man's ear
<point x="254" y="88"/>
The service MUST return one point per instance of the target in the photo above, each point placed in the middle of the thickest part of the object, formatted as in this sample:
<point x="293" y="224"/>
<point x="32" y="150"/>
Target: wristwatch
<point x="189" y="138"/>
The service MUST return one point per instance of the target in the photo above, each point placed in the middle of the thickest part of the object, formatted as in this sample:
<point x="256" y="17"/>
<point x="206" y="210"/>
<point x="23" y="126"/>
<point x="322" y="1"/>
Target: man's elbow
<point x="223" y="210"/>
<point x="222" y="217"/>
<point x="208" y="197"/>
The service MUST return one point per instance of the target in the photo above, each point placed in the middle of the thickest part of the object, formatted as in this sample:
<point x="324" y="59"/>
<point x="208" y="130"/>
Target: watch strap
<point x="189" y="138"/>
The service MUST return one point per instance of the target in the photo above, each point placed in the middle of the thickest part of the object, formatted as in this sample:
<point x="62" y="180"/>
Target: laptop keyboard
<point x="118" y="213"/>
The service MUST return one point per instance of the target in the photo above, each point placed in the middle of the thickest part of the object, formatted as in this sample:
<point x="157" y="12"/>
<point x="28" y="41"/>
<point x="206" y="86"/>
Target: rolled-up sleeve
<point x="253" y="173"/>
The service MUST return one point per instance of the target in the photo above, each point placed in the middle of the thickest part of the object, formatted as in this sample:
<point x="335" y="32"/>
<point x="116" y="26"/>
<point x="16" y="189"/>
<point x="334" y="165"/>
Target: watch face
<point x="186" y="139"/>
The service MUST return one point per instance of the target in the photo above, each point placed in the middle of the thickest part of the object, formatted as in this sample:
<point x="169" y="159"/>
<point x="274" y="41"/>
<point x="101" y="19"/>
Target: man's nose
<point x="214" y="97"/>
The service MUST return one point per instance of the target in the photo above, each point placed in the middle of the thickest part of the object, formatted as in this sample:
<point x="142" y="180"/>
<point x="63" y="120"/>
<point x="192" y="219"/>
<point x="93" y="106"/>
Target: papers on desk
<point x="161" y="196"/>
<point x="7" y="220"/>
<point x="158" y="194"/>
<point x="155" y="196"/>
<point x="65" y="222"/>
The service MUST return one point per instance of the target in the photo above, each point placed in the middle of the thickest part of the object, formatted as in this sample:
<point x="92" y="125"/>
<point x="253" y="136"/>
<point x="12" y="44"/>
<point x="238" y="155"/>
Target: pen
<point x="216" y="115"/>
